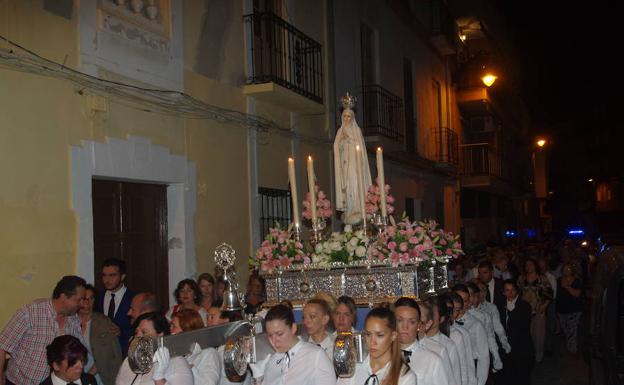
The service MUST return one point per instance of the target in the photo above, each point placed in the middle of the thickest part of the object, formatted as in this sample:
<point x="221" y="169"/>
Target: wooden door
<point x="130" y="223"/>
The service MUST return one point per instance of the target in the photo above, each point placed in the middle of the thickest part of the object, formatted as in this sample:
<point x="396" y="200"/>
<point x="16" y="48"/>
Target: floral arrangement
<point x="279" y="249"/>
<point x="323" y="205"/>
<point x="373" y="199"/>
<point x="344" y="247"/>
<point x="414" y="242"/>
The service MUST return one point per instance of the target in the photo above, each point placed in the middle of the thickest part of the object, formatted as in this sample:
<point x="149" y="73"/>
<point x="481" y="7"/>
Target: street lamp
<point x="488" y="79"/>
<point x="541" y="142"/>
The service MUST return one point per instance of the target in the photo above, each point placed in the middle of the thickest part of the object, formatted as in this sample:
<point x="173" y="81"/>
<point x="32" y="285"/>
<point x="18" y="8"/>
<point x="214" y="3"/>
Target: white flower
<point x="335" y="246"/>
<point x="319" y="248"/>
<point x="348" y="229"/>
<point x="359" y="234"/>
<point x="354" y="241"/>
<point x="360" y="251"/>
<point x="350" y="248"/>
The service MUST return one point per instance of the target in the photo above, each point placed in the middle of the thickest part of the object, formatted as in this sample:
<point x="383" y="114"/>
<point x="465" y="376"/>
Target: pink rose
<point x="392" y="245"/>
<point x="403" y="246"/>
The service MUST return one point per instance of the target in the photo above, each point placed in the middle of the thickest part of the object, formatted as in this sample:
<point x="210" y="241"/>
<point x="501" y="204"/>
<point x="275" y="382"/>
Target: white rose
<point x="348" y="229"/>
<point x="319" y="248"/>
<point x="359" y="234"/>
<point x="350" y="248"/>
<point x="360" y="251"/>
<point x="335" y="246"/>
<point x="354" y="241"/>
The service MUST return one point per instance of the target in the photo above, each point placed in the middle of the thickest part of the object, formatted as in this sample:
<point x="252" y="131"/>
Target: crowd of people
<point x="497" y="321"/>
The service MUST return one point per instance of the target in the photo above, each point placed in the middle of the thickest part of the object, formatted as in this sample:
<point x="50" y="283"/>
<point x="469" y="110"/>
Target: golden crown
<point x="348" y="101"/>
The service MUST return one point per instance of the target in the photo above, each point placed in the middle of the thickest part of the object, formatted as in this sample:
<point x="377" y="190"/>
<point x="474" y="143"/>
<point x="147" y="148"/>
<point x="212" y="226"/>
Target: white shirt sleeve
<point x="481" y="351"/>
<point x="499" y="329"/>
<point x="324" y="373"/>
<point x="491" y="339"/>
<point x="470" y="357"/>
<point x="455" y="364"/>
<point x="457" y="337"/>
<point x="205" y="366"/>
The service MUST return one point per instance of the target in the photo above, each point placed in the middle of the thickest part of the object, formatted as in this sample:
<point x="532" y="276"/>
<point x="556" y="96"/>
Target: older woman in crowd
<point x="100" y="341"/>
<point x="189" y="296"/>
<point x="316" y="318"/>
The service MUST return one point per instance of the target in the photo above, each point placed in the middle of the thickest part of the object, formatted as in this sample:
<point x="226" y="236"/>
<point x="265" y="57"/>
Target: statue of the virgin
<point x="346" y="157"/>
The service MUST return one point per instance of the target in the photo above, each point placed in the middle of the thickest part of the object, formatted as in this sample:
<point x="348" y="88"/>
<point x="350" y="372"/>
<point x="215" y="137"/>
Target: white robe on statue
<point x="348" y="137"/>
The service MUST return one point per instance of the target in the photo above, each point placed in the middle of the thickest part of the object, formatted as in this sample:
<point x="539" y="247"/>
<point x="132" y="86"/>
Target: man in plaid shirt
<point x="34" y="326"/>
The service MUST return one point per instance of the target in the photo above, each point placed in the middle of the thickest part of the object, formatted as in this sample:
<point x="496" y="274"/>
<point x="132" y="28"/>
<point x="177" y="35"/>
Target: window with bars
<point x="275" y="207"/>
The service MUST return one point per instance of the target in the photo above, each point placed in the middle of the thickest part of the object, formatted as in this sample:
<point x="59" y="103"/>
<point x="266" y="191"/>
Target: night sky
<point x="568" y="61"/>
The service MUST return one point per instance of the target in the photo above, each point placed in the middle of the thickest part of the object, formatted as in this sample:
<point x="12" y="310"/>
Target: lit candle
<point x="360" y="180"/>
<point x="381" y="182"/>
<point x="293" y="191"/>
<point x="311" y="183"/>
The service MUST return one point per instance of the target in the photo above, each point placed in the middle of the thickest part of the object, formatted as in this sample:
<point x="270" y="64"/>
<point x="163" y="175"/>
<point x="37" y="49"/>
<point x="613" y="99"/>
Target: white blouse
<point x="327" y="345"/>
<point x="178" y="373"/>
<point x="303" y="364"/>
<point x="363" y="372"/>
<point x="205" y="365"/>
<point x="427" y="365"/>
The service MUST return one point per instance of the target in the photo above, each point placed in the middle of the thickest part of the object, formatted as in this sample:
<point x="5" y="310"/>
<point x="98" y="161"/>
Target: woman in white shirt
<point x="316" y="316"/>
<point x="384" y="364"/>
<point x="189" y="296"/>
<point x="166" y="370"/>
<point x="294" y="361"/>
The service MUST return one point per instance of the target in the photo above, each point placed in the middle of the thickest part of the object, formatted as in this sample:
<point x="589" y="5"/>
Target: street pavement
<point x="561" y="368"/>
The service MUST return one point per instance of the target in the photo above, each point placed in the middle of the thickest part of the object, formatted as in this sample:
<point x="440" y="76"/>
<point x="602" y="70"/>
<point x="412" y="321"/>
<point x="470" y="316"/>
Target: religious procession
<point x="369" y="304"/>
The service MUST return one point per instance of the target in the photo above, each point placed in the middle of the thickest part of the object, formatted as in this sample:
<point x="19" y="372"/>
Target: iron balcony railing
<point x="282" y="54"/>
<point x="446" y="145"/>
<point x="383" y="113"/>
<point x="481" y="159"/>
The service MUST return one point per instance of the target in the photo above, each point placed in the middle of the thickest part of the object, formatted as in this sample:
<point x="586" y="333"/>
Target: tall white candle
<point x="293" y="191"/>
<point x="360" y="180"/>
<point x="381" y="182"/>
<point x="311" y="183"/>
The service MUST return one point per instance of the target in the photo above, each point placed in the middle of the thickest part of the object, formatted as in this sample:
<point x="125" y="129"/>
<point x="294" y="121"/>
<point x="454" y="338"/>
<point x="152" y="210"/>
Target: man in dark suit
<point x="518" y="364"/>
<point x="67" y="357"/>
<point x="115" y="301"/>
<point x="494" y="293"/>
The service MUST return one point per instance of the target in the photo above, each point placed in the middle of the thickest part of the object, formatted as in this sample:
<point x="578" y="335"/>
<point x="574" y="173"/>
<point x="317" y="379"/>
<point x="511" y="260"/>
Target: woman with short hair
<point x="188" y="296"/>
<point x="316" y="319"/>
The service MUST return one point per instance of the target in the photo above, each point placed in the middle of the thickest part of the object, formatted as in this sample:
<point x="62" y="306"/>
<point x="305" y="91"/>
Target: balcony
<point x="446" y="147"/>
<point x="483" y="168"/>
<point x="286" y="65"/>
<point x="443" y="29"/>
<point x="383" y="122"/>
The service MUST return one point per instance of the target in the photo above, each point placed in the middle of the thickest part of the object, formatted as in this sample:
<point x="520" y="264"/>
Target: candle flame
<point x="357" y="148"/>
<point x="291" y="160"/>
<point x="309" y="157"/>
<point x="379" y="149"/>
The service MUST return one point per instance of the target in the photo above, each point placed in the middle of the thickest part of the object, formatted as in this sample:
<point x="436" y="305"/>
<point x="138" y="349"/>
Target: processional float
<point x="373" y="260"/>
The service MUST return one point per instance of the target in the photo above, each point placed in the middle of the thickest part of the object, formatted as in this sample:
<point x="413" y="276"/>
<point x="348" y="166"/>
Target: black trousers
<point x="517" y="370"/>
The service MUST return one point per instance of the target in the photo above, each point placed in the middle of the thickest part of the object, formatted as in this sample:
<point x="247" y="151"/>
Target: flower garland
<point x="345" y="247"/>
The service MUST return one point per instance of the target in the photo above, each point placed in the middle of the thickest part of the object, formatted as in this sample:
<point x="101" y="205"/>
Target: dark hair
<point x="456" y="298"/>
<point x="89" y="286"/>
<point x="68" y="285"/>
<point x="66" y="348"/>
<point x="121" y="265"/>
<point x="487" y="264"/>
<point x="512" y="283"/>
<point x="231" y="315"/>
<point x="396" y="360"/>
<point x="161" y="325"/>
<point x="280" y="312"/>
<point x="197" y="295"/>
<point x="260" y="279"/>
<point x="473" y="286"/>
<point x="287" y="303"/>
<point x="428" y="310"/>
<point x="461" y="287"/>
<point x="409" y="302"/>
<point x="348" y="302"/>
<point x="188" y="319"/>
<point x="439" y="303"/>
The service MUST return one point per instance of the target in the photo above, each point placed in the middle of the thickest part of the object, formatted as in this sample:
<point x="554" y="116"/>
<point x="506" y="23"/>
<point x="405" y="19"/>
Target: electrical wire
<point x="146" y="99"/>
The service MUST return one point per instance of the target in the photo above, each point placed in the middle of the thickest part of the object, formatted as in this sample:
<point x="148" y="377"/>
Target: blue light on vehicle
<point x="510" y="233"/>
<point x="576" y="232"/>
